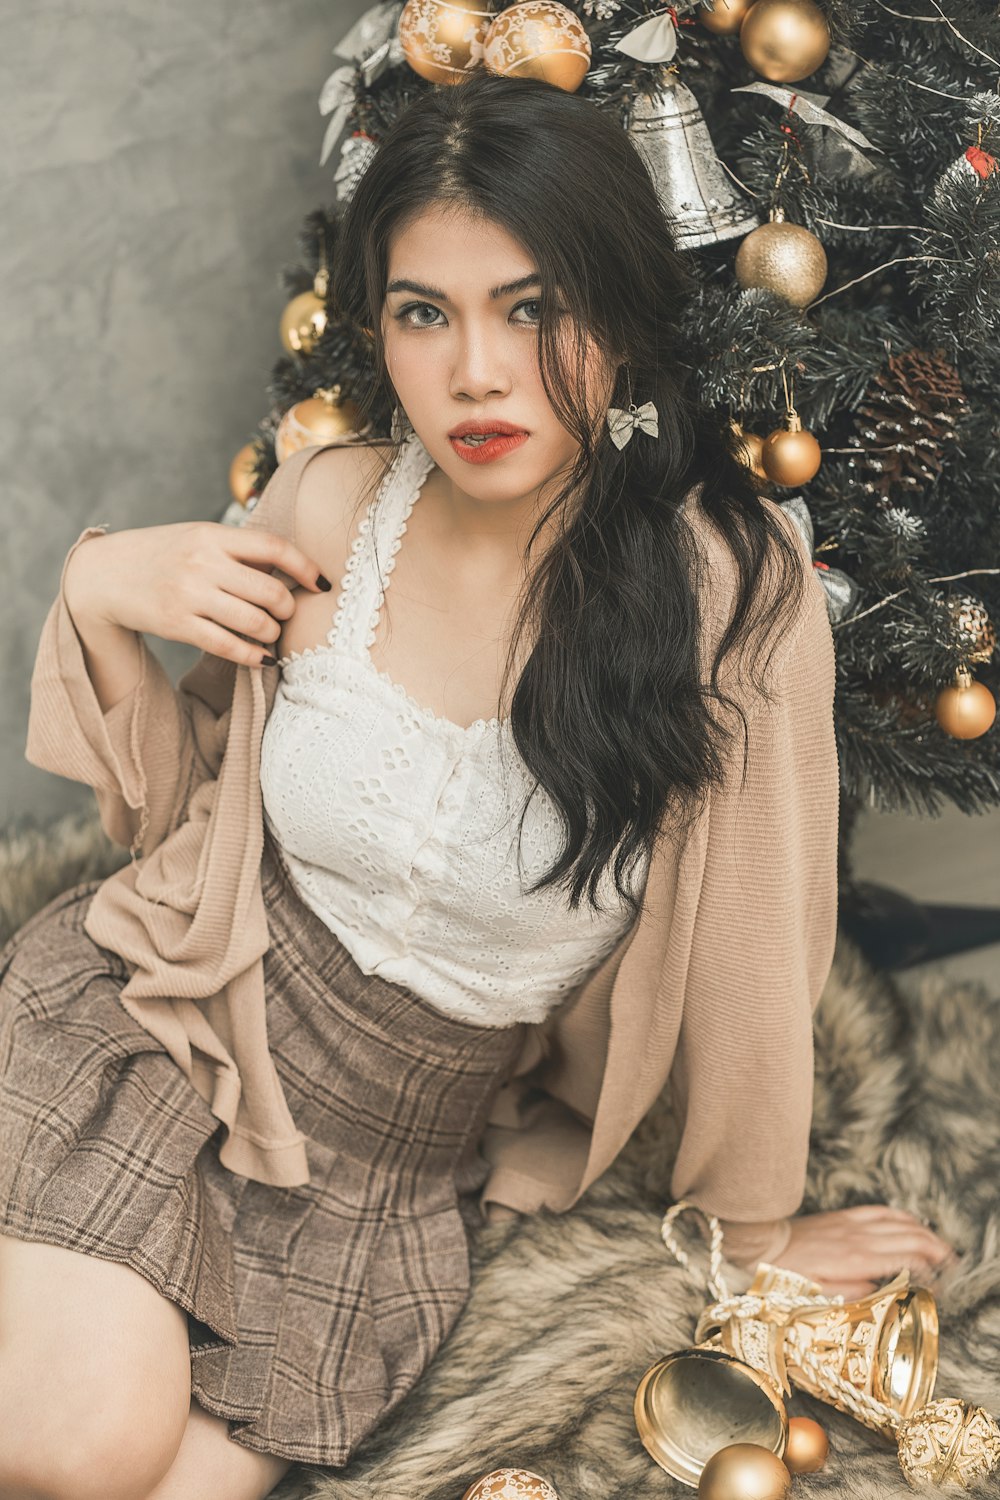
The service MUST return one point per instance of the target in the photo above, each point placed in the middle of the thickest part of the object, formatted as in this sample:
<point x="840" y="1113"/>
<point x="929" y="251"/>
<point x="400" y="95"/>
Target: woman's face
<point x="456" y="353"/>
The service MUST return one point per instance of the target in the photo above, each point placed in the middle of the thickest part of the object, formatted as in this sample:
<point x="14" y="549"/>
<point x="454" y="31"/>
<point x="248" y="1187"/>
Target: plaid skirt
<point x="312" y="1311"/>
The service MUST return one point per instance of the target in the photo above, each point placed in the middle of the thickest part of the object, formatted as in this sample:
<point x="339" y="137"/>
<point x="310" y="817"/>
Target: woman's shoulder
<point x="332" y="486"/>
<point x="312" y="495"/>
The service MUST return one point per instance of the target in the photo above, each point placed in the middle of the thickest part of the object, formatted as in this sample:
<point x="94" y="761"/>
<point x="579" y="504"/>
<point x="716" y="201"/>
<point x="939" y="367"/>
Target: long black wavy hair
<point x="612" y="713"/>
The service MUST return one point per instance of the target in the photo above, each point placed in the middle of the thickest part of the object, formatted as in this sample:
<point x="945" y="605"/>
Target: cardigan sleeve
<point x="763" y="947"/>
<point x="146" y="756"/>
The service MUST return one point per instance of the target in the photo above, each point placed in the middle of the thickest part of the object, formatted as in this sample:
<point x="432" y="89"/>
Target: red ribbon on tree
<point x="981" y="162"/>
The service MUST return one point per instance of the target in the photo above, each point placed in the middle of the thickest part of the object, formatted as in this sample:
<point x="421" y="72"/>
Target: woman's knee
<point x="105" y="1463"/>
<point x="95" y="1376"/>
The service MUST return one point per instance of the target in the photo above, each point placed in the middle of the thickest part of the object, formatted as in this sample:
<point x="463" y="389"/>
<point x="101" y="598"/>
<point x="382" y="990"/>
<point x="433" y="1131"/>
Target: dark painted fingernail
<point x="323" y="583"/>
<point x="269" y="661"/>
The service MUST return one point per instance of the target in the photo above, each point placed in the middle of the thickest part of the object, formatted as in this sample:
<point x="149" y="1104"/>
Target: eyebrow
<point x="507" y="290"/>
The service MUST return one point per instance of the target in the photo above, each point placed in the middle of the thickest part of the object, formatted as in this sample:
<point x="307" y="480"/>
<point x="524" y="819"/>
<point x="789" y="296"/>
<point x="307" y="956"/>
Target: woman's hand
<point x="197" y="581"/>
<point x="854" y="1251"/>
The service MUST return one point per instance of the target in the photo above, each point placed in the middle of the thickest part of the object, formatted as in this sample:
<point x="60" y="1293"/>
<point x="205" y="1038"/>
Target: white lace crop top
<point x="399" y="828"/>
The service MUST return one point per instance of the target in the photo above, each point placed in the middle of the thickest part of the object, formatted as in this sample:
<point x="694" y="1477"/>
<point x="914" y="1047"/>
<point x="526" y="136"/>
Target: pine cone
<point x="910" y="412"/>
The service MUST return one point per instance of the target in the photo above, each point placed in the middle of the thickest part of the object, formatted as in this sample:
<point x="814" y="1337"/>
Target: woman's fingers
<point x="853" y="1251"/>
<point x="866" y="1211"/>
<point x="851" y="1291"/>
<point x="268" y="549"/>
<point x="879" y="1213"/>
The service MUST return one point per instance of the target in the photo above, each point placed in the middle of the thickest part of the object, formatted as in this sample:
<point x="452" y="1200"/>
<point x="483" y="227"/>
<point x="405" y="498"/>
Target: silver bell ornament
<point x="841" y="591"/>
<point x="666" y="126"/>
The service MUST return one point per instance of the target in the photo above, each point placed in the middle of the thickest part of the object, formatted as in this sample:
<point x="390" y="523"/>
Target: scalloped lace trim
<point x="414" y="466"/>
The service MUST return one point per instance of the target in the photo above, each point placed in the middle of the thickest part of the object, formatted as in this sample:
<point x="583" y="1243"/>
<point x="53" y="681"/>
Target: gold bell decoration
<point x="863" y="1355"/>
<point x="695" y="1402"/>
<point x="322" y="419"/>
<point x="723" y="17"/>
<point x="785" y="40"/>
<point x="666" y="126"/>
<point x="783" y="258"/>
<point x="511" y="1484"/>
<point x="442" y="40"/>
<point x="243" y="474"/>
<point x="875" y="1358"/>
<point x="539" y="39"/>
<point x="304" y="318"/>
<point x="790" y="455"/>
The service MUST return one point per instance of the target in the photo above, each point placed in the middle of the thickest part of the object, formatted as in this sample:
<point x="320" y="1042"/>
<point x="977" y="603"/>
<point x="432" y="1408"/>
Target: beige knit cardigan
<point x="712" y="988"/>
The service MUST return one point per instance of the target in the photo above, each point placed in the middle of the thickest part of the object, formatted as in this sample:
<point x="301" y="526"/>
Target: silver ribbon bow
<point x="654" y="40"/>
<point x="622" y="424"/>
<point x="373" y="43"/>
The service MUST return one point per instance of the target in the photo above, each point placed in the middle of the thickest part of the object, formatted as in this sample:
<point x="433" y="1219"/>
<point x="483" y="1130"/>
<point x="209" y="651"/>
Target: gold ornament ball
<point x="302" y="322"/>
<point x="539" y="39"/>
<point x="243" y="473"/>
<point x="807" y="1447"/>
<point x="966" y="709"/>
<point x="744" y="1471"/>
<point x="790" y="455"/>
<point x="725" y="16"/>
<point x="785" y="40"/>
<point x="442" y="40"/>
<point x="783" y="258"/>
<point x="948" y="1442"/>
<point x="320" y="420"/>
<point x="510" y="1484"/>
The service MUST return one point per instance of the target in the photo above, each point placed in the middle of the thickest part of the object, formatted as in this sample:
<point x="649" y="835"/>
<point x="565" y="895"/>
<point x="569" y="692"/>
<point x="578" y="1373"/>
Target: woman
<point x="448" y="865"/>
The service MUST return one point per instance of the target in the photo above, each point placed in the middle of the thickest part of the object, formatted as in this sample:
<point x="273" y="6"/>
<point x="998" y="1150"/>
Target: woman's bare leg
<point x="210" y="1463"/>
<point x="95" y="1376"/>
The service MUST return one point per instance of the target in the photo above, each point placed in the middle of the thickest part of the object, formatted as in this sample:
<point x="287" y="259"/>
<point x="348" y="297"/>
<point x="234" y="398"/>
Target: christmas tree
<point x="829" y="173"/>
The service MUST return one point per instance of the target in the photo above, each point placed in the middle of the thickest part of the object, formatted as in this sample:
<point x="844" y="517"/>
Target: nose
<point x="480" y="370"/>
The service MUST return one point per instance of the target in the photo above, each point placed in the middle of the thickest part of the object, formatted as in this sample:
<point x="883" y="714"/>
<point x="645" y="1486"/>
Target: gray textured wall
<point x="158" y="163"/>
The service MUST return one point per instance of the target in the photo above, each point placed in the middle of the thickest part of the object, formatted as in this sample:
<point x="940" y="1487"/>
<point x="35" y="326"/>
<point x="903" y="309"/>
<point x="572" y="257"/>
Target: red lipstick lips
<point x="491" y="440"/>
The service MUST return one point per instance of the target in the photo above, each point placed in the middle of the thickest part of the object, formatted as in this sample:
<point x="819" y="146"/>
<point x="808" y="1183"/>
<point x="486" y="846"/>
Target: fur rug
<point x="568" y="1310"/>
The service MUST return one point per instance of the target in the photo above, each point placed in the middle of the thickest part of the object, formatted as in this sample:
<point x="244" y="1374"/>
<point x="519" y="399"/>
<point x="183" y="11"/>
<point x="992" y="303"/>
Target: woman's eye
<point x="406" y="314"/>
<point x="414" y="307"/>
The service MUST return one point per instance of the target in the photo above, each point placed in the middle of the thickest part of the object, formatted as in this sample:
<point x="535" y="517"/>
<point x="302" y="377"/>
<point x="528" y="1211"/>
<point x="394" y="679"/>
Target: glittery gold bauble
<point x="750" y="448"/>
<point x="725" y="17"/>
<point x="243" y="473"/>
<point x="510" y="1484"/>
<point x="744" y="1471"/>
<point x="539" y="39"/>
<point x="785" y="40"/>
<point x="974" y="627"/>
<point x="304" y="319"/>
<point x="948" y="1442"/>
<point x="783" y="258"/>
<point x="807" y="1447"/>
<point x="967" y="709"/>
<point x="321" y="419"/>
<point x="790" y="455"/>
<point x="442" y="40"/>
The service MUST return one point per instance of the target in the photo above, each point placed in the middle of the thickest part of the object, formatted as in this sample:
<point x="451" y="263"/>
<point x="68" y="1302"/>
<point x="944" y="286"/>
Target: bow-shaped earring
<point x="622" y="424"/>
